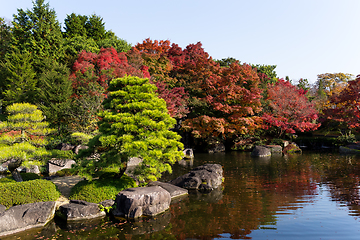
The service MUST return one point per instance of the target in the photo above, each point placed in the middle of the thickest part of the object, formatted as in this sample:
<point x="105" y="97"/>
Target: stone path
<point x="65" y="184"/>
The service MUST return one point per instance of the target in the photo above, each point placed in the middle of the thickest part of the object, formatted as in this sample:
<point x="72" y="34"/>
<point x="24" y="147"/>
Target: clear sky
<point x="303" y="38"/>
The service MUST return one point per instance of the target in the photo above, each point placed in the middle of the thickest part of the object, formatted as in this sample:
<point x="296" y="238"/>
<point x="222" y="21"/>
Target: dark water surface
<point x="310" y="196"/>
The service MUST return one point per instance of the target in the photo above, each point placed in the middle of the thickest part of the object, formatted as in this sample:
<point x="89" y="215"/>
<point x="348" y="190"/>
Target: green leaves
<point x="136" y="123"/>
<point x="23" y="135"/>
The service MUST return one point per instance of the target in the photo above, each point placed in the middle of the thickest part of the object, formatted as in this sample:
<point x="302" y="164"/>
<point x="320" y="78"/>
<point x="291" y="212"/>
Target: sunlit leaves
<point x="135" y="123"/>
<point x="289" y="109"/>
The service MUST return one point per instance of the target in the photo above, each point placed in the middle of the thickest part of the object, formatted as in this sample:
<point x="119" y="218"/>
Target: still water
<point x="309" y="196"/>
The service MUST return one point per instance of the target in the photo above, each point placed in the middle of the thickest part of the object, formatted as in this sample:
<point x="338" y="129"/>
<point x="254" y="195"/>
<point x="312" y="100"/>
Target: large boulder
<point x="148" y="201"/>
<point x="22" y="217"/>
<point x="204" y="178"/>
<point x="54" y="165"/>
<point x="79" y="209"/>
<point x="174" y="191"/>
<point x="65" y="147"/>
<point x="261" y="151"/>
<point x="277" y="149"/>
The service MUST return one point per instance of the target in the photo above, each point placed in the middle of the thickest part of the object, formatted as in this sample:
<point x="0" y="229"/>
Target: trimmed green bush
<point x="18" y="193"/>
<point x="101" y="189"/>
<point x="66" y="172"/>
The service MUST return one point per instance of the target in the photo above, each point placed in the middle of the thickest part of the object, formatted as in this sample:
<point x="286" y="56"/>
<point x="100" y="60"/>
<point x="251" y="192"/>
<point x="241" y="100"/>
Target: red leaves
<point x="290" y="110"/>
<point x="346" y="105"/>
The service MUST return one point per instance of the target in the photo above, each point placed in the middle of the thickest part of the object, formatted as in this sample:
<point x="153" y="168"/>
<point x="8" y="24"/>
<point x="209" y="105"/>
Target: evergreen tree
<point x="75" y="26"/>
<point x="5" y="37"/>
<point x="135" y="123"/>
<point x="17" y="79"/>
<point x="38" y="32"/>
<point x="55" y="90"/>
<point x="22" y="136"/>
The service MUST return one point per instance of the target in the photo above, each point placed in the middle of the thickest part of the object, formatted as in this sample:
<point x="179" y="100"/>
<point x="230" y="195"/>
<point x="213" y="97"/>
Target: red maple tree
<point x="345" y="106"/>
<point x="288" y="110"/>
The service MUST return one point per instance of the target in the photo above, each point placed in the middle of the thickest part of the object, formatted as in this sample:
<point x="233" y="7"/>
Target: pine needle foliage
<point x="135" y="123"/>
<point x="23" y="135"/>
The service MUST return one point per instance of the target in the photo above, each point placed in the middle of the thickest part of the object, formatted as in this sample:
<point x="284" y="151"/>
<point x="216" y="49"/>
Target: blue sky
<point x="303" y="38"/>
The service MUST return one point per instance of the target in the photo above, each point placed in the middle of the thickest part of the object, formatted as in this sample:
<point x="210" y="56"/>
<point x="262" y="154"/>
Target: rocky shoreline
<point x="130" y="203"/>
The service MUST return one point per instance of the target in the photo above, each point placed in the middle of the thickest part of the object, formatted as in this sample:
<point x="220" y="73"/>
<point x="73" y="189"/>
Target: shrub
<point x="28" y="192"/>
<point x="66" y="172"/>
<point x="29" y="176"/>
<point x="56" y="153"/>
<point x="101" y="189"/>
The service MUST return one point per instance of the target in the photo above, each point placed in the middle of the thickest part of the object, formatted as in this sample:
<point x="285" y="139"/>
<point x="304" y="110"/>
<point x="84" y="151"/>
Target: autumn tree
<point x="22" y="136"/>
<point x="344" y="107"/>
<point x="135" y="123"/>
<point x="232" y="100"/>
<point x="154" y="57"/>
<point x="289" y="110"/>
<point x="328" y="84"/>
<point x="223" y="101"/>
<point x="90" y="78"/>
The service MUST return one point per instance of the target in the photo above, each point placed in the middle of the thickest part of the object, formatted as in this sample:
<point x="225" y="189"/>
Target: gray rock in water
<point x="261" y="151"/>
<point x="107" y="203"/>
<point x="22" y="217"/>
<point x="205" y="178"/>
<point x="78" y="210"/>
<point x="174" y="191"/>
<point x="274" y="148"/>
<point x="148" y="201"/>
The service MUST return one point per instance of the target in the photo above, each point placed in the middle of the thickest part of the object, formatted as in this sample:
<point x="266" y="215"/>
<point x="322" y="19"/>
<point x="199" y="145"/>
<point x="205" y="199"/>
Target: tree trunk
<point x="122" y="170"/>
<point x="12" y="168"/>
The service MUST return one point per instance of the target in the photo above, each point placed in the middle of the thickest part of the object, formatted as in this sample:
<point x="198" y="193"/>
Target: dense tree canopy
<point x="135" y="123"/>
<point x="345" y="105"/>
<point x="289" y="111"/>
<point x="22" y="136"/>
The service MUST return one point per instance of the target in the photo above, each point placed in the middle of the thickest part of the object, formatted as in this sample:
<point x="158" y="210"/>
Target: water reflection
<point x="308" y="196"/>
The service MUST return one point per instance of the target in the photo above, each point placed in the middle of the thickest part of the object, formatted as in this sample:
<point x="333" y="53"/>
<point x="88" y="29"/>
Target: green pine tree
<point x="17" y="79"/>
<point x="38" y="32"/>
<point x="53" y="97"/>
<point x="22" y="136"/>
<point x="135" y="123"/>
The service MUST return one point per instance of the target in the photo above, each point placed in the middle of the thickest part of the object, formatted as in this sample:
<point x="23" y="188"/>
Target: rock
<point x="22" y="217"/>
<point x="33" y="169"/>
<point x="188" y="153"/>
<point x="65" y="147"/>
<point x="274" y="148"/>
<point x="134" y="161"/>
<point x="204" y="178"/>
<point x="348" y="150"/>
<point x="292" y="148"/>
<point x="54" y="165"/>
<point x="174" y="191"/>
<point x="148" y="201"/>
<point x="107" y="203"/>
<point x="79" y="147"/>
<point x="79" y="209"/>
<point x="216" y="147"/>
<point x="261" y="151"/>
<point x="2" y="208"/>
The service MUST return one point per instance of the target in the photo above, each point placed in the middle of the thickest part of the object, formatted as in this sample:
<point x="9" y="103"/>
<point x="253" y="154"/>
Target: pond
<point x="308" y="196"/>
